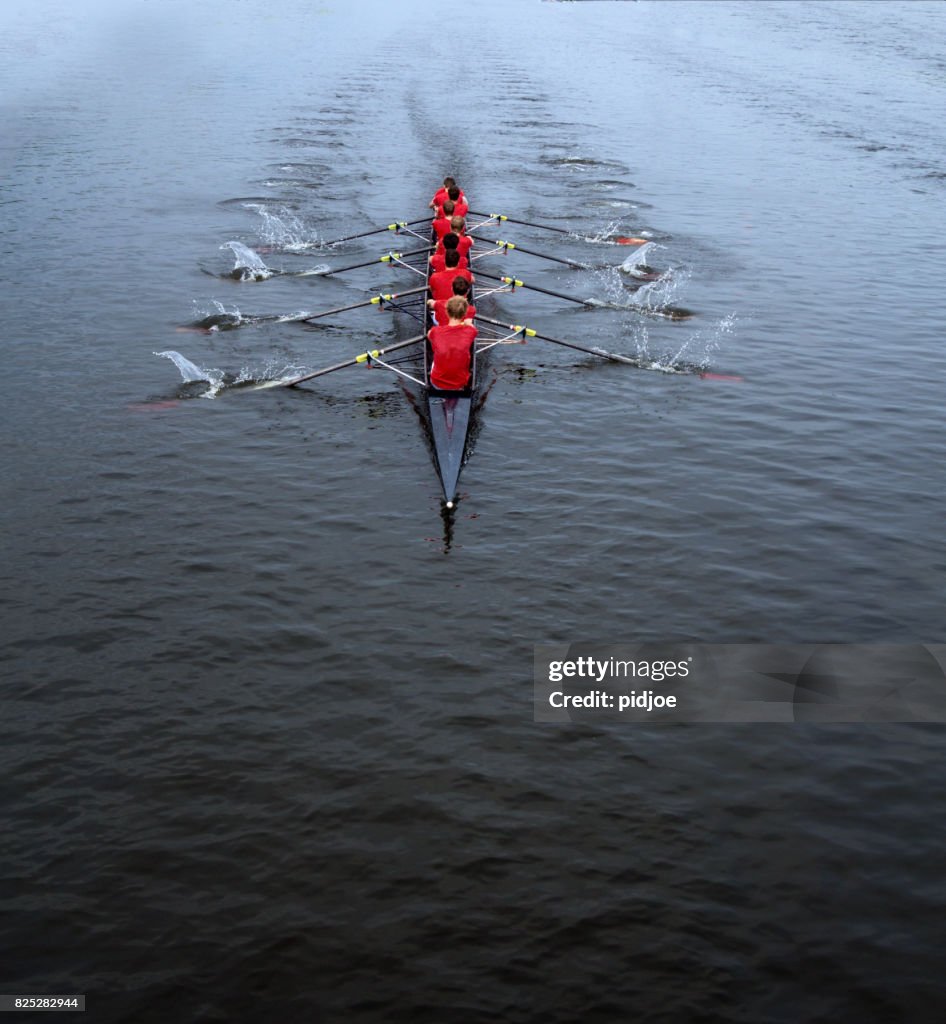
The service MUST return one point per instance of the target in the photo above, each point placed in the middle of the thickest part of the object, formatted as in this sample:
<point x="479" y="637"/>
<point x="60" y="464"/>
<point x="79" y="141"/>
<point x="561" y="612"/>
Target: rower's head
<point x="461" y="287"/>
<point x="453" y="192"/>
<point x="451" y="259"/>
<point x="456" y="308"/>
<point x="457" y="224"/>
<point x="449" y="183"/>
<point x="451" y="240"/>
<point x="448" y="208"/>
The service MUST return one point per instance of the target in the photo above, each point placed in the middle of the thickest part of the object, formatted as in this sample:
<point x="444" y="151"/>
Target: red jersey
<point x="442" y="226"/>
<point x="438" y="262"/>
<point x="441" y="196"/>
<point x="440" y="311"/>
<point x="441" y="283"/>
<point x="460" y="209"/>
<point x="464" y="245"/>
<point x="453" y="347"/>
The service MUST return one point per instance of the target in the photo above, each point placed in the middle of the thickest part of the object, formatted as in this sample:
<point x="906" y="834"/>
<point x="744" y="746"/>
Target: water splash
<point x="604" y="235"/>
<point x="693" y="356"/>
<point x="248" y="265"/>
<point x="636" y="264"/>
<point x="272" y="374"/>
<point x="652" y="292"/>
<point x="221" y="319"/>
<point x="700" y="347"/>
<point x="191" y="373"/>
<point x="284" y="230"/>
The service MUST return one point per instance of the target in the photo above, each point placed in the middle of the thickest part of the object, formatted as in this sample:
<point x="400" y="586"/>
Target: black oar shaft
<point x="516" y="283"/>
<point x="362" y="358"/>
<point x="590" y="350"/>
<point x="544" y="256"/>
<point x="512" y="220"/>
<point x="387" y="258"/>
<point x="377" y="231"/>
<point x="375" y="300"/>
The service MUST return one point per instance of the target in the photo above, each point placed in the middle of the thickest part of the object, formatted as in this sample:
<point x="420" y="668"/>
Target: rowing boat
<point x="448" y="413"/>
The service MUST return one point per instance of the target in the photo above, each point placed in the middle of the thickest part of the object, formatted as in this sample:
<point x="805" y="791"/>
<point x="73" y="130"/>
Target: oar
<point x="516" y="283"/>
<point x="512" y="245"/>
<point x="512" y="220"/>
<point x="396" y="226"/>
<point x="593" y="351"/>
<point x="376" y="300"/>
<point x="387" y="258"/>
<point x="620" y="240"/>
<point x="363" y="358"/>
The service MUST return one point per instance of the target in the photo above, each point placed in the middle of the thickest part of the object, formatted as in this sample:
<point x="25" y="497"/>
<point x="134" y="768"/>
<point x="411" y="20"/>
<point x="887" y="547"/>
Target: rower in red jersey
<point x="441" y="283"/>
<point x="452" y="345"/>
<point x="461" y="287"/>
<point x="449" y="242"/>
<point x="441" y="195"/>
<point x="464" y="242"/>
<point x="460" y="207"/>
<point x="442" y="225"/>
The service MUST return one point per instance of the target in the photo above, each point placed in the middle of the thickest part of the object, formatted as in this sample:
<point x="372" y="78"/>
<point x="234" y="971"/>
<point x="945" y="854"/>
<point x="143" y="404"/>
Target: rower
<point x="441" y="283"/>
<point x="450" y="241"/>
<point x="460" y="207"/>
<point x="442" y="225"/>
<point x="441" y="195"/>
<point x="452" y="346"/>
<point x="461" y="287"/>
<point x="465" y="241"/>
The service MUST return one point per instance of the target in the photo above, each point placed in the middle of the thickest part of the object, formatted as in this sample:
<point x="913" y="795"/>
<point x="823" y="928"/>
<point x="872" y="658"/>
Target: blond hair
<point x="457" y="307"/>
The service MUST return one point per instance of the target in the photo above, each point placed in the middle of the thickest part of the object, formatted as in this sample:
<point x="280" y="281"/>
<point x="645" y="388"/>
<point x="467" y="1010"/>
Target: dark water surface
<point x="267" y="747"/>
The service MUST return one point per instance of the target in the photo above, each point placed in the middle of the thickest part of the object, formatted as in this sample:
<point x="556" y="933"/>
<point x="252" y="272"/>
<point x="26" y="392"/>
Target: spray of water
<point x="284" y="230"/>
<point x="637" y="263"/>
<point x="219" y="318"/>
<point x="694" y="355"/>
<point x="604" y="235"/>
<point x="248" y="265"/>
<point x="192" y="373"/>
<point x="271" y="373"/>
